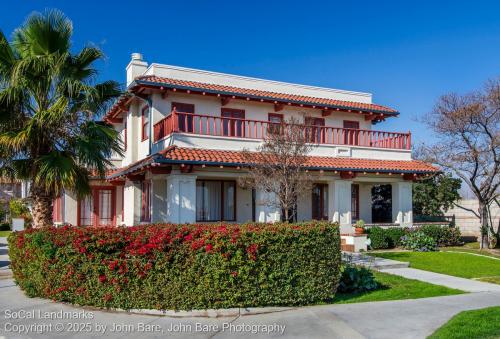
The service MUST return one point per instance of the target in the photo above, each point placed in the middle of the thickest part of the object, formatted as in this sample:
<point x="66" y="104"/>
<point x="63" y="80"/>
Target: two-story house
<point x="184" y="130"/>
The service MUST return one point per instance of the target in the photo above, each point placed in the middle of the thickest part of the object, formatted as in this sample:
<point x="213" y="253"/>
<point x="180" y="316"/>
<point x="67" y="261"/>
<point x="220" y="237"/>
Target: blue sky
<point x="406" y="53"/>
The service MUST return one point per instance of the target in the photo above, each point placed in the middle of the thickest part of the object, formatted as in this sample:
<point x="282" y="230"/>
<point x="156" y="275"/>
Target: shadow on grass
<point x="343" y="297"/>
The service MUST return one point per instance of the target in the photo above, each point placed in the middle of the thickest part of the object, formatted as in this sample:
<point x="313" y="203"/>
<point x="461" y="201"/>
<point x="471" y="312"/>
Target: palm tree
<point x="49" y="102"/>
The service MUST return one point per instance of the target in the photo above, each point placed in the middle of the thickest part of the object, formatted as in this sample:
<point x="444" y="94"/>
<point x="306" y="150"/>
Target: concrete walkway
<point x="467" y="285"/>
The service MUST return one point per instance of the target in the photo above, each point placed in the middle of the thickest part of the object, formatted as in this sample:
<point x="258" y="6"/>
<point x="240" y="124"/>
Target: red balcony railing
<point x="257" y="129"/>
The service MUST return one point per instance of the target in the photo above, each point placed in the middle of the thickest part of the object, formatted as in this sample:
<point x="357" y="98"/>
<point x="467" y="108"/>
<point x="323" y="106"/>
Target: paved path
<point x="463" y="284"/>
<point x="390" y="319"/>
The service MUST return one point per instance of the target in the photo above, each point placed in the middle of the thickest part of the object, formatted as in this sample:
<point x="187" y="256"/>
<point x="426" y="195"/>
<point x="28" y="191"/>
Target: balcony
<point x="198" y="124"/>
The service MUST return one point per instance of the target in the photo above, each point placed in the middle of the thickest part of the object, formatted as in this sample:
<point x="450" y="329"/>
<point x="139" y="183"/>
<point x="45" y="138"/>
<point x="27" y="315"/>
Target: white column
<point x="365" y="202"/>
<point x="402" y="205"/>
<point x="132" y="203"/>
<point x="70" y="208"/>
<point x="265" y="207"/>
<point x="181" y="198"/>
<point x="341" y="204"/>
<point x="159" y="199"/>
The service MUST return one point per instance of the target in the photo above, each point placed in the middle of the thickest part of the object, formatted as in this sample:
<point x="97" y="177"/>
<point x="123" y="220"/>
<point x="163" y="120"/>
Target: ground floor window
<point x="355" y="202"/>
<point x="146" y="201"/>
<point x="97" y="209"/>
<point x="382" y="204"/>
<point x="215" y="200"/>
<point x="86" y="211"/>
<point x="320" y="202"/>
<point x="58" y="208"/>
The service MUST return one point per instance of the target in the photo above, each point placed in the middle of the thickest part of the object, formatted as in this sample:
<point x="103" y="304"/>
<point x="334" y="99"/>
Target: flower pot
<point x="359" y="230"/>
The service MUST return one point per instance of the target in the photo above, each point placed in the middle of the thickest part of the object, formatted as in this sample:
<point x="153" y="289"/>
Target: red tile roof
<point x="181" y="155"/>
<point x="155" y="81"/>
<point x="264" y="94"/>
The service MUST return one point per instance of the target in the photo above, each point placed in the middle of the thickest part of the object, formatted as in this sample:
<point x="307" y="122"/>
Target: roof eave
<point x="139" y="82"/>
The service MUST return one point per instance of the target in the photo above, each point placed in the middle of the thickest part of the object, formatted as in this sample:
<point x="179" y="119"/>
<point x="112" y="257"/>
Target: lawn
<point x="396" y="288"/>
<point x="4" y="233"/>
<point x="482" y="323"/>
<point x="457" y="264"/>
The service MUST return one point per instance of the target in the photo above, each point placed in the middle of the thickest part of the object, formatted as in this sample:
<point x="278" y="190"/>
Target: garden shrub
<point x="444" y="236"/>
<point x="179" y="267"/>
<point x="356" y="279"/>
<point x="418" y="241"/>
<point x="385" y="238"/>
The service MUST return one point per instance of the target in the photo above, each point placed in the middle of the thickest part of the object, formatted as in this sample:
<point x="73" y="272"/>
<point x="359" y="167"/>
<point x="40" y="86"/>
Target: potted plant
<point x="360" y="227"/>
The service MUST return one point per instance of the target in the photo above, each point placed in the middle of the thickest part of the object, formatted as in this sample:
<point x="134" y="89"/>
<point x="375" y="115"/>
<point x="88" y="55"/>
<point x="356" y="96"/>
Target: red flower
<point x="102" y="278"/>
<point x="108" y="297"/>
<point x="234" y="274"/>
<point x="188" y="237"/>
<point x="252" y="251"/>
<point x="208" y="248"/>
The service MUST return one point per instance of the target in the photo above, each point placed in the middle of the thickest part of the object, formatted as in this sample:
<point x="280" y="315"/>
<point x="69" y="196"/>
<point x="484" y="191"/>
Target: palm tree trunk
<point x="41" y="209"/>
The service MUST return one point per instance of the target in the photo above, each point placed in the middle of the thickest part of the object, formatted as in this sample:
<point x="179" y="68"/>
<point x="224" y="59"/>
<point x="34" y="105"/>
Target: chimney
<point x="136" y="67"/>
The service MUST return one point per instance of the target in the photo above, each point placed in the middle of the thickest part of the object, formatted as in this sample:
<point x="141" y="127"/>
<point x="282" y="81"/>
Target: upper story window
<point x="125" y="133"/>
<point x="275" y="120"/>
<point x="184" y="115"/>
<point x="232" y="127"/>
<point x="314" y="131"/>
<point x="351" y="136"/>
<point x="145" y="123"/>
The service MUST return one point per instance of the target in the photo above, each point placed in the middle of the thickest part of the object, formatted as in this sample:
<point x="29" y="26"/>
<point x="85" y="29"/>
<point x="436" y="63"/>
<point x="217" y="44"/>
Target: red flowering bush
<point x="179" y="267"/>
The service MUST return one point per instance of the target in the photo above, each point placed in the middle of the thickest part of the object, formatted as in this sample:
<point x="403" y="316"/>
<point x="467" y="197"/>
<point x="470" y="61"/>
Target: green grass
<point x="4" y="233"/>
<point x="457" y="264"/>
<point x="396" y="288"/>
<point x="482" y="324"/>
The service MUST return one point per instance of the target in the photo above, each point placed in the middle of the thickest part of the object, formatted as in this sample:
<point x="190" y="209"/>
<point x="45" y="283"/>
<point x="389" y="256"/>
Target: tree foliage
<point x="468" y="131"/>
<point x="435" y="195"/>
<point x="49" y="102"/>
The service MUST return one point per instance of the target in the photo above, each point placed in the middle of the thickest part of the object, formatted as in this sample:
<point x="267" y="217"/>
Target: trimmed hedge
<point x="384" y="238"/>
<point x="180" y="267"/>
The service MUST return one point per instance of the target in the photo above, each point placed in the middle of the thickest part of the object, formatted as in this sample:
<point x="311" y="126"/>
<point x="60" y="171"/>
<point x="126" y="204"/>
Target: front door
<point x="98" y="209"/>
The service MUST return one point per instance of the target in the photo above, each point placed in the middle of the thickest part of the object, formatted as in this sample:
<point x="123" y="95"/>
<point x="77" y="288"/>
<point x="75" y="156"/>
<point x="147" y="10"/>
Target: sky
<point x="406" y="53"/>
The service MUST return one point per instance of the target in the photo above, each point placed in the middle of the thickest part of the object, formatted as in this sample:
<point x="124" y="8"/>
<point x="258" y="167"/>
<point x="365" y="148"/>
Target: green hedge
<point x="180" y="267"/>
<point x="384" y="238"/>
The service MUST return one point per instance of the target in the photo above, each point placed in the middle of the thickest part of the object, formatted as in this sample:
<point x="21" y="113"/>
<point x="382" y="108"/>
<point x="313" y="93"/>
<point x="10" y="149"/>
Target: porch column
<point x="159" y="199"/>
<point x="402" y="206"/>
<point x="264" y="209"/>
<point x="131" y="203"/>
<point x="365" y="202"/>
<point x="339" y="209"/>
<point x="181" y="198"/>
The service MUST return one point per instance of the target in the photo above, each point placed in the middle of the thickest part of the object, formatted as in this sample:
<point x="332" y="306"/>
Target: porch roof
<point x="210" y="157"/>
<point x="153" y="81"/>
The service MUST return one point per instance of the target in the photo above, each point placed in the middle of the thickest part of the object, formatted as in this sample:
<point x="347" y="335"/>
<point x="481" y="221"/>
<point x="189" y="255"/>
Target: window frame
<point x="232" y="124"/>
<point x="323" y="188"/>
<point x="125" y="119"/>
<point x="221" y="217"/>
<point x="354" y="202"/>
<point x="144" y="132"/>
<point x="145" y="201"/>
<point x="189" y="118"/>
